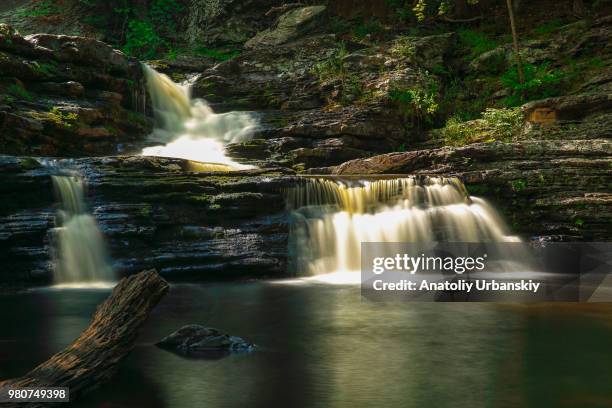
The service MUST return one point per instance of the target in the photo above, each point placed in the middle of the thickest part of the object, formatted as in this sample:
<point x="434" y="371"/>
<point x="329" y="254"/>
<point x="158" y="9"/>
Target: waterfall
<point x="188" y="128"/>
<point x="80" y="253"/>
<point x="332" y="217"/>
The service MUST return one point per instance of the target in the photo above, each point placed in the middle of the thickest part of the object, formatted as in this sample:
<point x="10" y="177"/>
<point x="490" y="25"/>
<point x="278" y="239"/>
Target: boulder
<point x="289" y="26"/>
<point x="195" y="340"/>
<point x="82" y="50"/>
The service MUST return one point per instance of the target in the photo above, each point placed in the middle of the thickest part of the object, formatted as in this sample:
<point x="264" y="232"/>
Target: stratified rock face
<point x="291" y="25"/>
<point x="558" y="188"/>
<point x="196" y="340"/>
<point x="165" y="213"/>
<point x="66" y="95"/>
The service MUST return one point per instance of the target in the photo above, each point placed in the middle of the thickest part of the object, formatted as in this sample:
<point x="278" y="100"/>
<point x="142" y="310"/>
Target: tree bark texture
<point x="94" y="356"/>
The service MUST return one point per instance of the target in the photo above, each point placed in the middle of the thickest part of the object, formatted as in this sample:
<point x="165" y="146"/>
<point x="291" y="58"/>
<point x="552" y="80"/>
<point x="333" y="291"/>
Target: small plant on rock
<point x="541" y="81"/>
<point x="417" y="105"/>
<point x="403" y="47"/>
<point x="496" y="125"/>
<point x="478" y="43"/>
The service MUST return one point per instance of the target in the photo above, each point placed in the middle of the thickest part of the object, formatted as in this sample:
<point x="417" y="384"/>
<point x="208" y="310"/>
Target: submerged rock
<point x="196" y="340"/>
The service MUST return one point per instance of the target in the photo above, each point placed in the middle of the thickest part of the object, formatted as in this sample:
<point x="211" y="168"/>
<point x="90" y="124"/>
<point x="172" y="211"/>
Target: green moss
<point x="218" y="54"/>
<point x="61" y="119"/>
<point x="29" y="163"/>
<point x="518" y="185"/>
<point x="178" y="77"/>
<point x="299" y="168"/>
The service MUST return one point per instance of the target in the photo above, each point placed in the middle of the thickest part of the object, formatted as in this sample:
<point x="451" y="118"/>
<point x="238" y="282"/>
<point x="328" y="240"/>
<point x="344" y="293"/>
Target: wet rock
<point x="67" y="95"/>
<point x="190" y="224"/>
<point x="200" y="341"/>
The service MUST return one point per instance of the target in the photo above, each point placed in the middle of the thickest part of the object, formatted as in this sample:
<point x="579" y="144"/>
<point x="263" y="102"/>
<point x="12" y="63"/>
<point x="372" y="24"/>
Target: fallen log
<point x="94" y="356"/>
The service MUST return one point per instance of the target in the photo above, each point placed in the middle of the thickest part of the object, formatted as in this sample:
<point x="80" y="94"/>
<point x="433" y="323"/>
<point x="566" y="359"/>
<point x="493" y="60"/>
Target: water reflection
<point x="323" y="346"/>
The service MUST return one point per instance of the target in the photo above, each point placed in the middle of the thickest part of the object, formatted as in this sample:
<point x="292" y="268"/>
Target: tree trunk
<point x="517" y="50"/>
<point x="94" y="356"/>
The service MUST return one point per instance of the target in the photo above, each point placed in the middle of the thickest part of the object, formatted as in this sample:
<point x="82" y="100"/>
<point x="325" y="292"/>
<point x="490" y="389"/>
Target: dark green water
<point x="323" y="346"/>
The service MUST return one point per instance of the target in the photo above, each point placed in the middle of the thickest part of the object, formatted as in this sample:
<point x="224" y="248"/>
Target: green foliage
<point x="141" y="39"/>
<point x="550" y="27"/>
<point x="62" y="119"/>
<point x="417" y="105"/>
<point x="496" y="124"/>
<point x="161" y="13"/>
<point x="477" y="42"/>
<point x="7" y="100"/>
<point x="40" y="9"/>
<point x="218" y="54"/>
<point x="96" y="20"/>
<point x="458" y="101"/>
<point x="518" y="185"/>
<point x="403" y="47"/>
<point x="504" y="123"/>
<point x="371" y="27"/>
<point x="423" y="9"/>
<point x="339" y="25"/>
<point x="19" y="91"/>
<point x="541" y="81"/>
<point x="45" y="68"/>
<point x="334" y="67"/>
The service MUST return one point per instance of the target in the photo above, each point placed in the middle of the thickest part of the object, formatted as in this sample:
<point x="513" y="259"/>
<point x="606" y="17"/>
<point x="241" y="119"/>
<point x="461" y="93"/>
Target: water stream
<point x="333" y="216"/>
<point x="80" y="255"/>
<point x="188" y="128"/>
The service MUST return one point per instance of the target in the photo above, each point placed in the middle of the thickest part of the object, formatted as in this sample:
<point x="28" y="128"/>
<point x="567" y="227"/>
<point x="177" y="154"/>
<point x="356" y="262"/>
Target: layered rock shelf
<point x="68" y="96"/>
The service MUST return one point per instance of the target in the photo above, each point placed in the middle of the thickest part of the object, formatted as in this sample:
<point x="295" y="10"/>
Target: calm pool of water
<point x="324" y="346"/>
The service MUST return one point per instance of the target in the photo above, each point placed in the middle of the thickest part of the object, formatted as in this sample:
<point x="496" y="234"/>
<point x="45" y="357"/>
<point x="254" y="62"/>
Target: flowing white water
<point x="188" y="128"/>
<point x="81" y="256"/>
<point x="333" y="217"/>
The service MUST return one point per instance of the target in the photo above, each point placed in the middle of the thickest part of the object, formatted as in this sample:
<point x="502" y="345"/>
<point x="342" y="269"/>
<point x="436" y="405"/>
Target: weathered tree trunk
<point x="517" y="49"/>
<point x="94" y="356"/>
